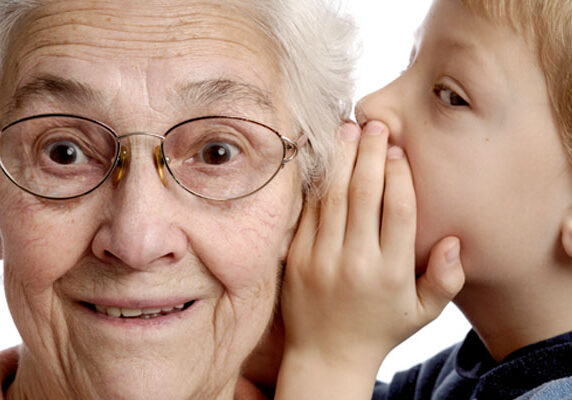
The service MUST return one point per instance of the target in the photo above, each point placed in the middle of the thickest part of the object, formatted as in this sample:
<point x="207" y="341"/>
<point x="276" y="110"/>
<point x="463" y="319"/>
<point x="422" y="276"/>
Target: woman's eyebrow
<point x="70" y="91"/>
<point x="211" y="91"/>
<point x="53" y="87"/>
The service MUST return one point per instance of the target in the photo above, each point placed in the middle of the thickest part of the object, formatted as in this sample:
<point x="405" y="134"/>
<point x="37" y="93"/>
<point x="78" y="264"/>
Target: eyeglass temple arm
<point x="292" y="147"/>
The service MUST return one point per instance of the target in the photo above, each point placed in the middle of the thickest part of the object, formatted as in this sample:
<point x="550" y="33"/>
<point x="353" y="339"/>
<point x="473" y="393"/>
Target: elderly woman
<point x="154" y="157"/>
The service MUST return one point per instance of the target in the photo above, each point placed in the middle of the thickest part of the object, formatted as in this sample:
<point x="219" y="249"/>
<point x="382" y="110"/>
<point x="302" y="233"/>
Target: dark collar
<point x="521" y="371"/>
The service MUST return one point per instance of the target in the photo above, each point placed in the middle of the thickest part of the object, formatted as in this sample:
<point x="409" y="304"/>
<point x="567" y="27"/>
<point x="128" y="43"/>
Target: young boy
<point x="483" y="118"/>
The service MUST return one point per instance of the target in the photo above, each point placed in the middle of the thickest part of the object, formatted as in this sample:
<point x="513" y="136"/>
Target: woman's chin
<point x="147" y="375"/>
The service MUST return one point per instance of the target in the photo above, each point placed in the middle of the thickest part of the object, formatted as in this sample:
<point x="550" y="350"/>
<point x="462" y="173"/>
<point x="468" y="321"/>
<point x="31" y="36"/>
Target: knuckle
<point x="452" y="286"/>
<point x="393" y="282"/>
<point x="335" y="200"/>
<point x="363" y="191"/>
<point x="401" y="209"/>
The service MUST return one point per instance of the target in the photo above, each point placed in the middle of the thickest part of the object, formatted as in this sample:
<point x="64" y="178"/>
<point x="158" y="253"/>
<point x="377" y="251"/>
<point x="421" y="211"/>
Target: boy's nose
<point x="384" y="105"/>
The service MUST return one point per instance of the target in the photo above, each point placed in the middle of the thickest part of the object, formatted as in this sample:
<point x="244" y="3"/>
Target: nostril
<point x="109" y="257"/>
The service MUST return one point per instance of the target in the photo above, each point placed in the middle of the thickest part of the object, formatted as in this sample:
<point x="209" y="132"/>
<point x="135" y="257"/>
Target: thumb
<point x="443" y="279"/>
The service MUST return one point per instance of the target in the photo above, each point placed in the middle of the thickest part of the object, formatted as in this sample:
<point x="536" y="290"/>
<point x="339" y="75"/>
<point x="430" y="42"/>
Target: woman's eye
<point x="217" y="153"/>
<point x="66" y="153"/>
<point x="449" y="97"/>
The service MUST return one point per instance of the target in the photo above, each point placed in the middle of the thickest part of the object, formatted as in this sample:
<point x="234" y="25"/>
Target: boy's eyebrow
<point x="449" y="42"/>
<point x="219" y="90"/>
<point x="457" y="44"/>
<point x="52" y="86"/>
<point x="470" y="50"/>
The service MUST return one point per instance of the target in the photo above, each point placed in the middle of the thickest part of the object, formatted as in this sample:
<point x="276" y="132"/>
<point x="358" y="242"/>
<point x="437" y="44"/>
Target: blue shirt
<point x="467" y="371"/>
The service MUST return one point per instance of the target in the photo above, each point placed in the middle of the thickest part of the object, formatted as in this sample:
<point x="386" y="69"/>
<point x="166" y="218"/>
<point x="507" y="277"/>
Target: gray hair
<point x="317" y="51"/>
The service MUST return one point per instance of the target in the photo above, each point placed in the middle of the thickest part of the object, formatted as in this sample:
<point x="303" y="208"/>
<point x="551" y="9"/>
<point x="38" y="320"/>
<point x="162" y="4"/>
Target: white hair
<point x="317" y="50"/>
<point x="316" y="45"/>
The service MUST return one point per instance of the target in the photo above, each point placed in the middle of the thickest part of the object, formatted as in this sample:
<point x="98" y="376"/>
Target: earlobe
<point x="567" y="233"/>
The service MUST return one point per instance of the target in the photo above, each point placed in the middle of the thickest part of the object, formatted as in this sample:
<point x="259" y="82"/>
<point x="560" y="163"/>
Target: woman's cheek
<point x="43" y="241"/>
<point x="246" y="250"/>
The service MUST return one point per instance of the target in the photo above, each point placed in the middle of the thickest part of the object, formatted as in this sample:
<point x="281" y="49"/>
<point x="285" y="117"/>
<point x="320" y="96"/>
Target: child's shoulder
<point x="467" y="370"/>
<point x="422" y="380"/>
<point x="558" y="389"/>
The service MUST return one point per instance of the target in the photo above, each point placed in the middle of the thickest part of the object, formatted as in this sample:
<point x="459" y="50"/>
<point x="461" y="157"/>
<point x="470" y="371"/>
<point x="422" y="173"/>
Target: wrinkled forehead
<point x="142" y="28"/>
<point x="170" y="44"/>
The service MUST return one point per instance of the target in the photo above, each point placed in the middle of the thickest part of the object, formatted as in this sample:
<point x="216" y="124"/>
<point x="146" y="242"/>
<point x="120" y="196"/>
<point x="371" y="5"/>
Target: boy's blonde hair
<point x="547" y="25"/>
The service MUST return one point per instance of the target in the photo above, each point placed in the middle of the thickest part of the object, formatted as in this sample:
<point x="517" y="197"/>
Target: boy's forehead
<point x="452" y="28"/>
<point x="519" y="15"/>
<point x="477" y="52"/>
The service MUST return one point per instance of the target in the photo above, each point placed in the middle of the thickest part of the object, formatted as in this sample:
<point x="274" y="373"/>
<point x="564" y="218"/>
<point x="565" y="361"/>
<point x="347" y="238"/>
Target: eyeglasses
<point x="61" y="156"/>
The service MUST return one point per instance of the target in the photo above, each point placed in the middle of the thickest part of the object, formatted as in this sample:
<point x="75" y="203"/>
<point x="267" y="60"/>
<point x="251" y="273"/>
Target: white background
<point x="386" y="28"/>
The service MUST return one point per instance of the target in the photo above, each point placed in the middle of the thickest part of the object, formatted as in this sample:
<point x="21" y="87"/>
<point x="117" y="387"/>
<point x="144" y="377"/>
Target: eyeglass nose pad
<point x="160" y="165"/>
<point x="122" y="165"/>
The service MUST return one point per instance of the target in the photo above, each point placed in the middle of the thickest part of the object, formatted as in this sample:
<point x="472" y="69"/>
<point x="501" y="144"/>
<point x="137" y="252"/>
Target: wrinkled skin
<point x="140" y="244"/>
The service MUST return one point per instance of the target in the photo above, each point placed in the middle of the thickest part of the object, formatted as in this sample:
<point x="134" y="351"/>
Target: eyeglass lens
<point x="218" y="158"/>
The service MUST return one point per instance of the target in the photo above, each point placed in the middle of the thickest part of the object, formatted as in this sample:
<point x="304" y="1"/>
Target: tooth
<point x="130" y="312"/>
<point x="114" y="312"/>
<point x="167" y="309"/>
<point x="100" y="309"/>
<point x="180" y="306"/>
<point x="151" y="311"/>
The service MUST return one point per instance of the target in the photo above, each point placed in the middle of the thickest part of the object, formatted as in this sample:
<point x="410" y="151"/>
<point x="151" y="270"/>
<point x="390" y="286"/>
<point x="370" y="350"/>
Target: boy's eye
<point x="449" y="97"/>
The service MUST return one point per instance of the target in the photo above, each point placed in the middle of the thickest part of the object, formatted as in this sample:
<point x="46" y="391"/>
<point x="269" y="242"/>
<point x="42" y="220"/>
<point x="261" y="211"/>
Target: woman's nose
<point x="384" y="105"/>
<point x="141" y="229"/>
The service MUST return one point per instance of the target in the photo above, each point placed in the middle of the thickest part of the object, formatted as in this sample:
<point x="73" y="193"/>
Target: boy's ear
<point x="567" y="233"/>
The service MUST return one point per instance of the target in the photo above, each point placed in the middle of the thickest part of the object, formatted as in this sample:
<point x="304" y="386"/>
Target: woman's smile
<point x="158" y="311"/>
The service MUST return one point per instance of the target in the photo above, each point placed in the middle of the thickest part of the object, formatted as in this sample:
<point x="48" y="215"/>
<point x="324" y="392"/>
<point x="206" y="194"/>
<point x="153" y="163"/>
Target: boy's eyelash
<point x="453" y="99"/>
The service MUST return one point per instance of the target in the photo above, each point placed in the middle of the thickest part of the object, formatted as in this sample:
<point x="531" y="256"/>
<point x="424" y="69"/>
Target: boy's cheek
<point x="423" y="245"/>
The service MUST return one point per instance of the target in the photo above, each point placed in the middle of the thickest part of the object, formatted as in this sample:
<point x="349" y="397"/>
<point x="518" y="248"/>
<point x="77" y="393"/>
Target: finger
<point x="443" y="279"/>
<point x="305" y="235"/>
<point x="334" y="207"/>
<point x="366" y="187"/>
<point x="399" y="218"/>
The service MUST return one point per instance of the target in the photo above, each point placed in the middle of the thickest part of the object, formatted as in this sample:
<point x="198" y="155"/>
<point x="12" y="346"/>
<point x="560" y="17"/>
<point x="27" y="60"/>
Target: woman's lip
<point x="138" y="303"/>
<point x="146" y="313"/>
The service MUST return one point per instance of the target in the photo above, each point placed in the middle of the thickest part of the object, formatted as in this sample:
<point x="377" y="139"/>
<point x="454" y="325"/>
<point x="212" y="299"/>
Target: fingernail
<point x="374" y="128"/>
<point x="349" y="132"/>
<point x="395" y="152"/>
<point x="452" y="255"/>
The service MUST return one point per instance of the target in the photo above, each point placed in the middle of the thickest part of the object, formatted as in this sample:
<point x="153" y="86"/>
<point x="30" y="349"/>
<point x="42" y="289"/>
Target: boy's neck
<point x="522" y="313"/>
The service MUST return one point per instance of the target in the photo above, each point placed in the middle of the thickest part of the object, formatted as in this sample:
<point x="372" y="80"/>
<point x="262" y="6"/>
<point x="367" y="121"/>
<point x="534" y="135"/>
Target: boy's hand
<point x="350" y="292"/>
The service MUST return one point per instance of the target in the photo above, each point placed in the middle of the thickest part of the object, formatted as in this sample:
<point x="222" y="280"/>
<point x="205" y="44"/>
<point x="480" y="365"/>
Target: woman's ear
<point x="567" y="233"/>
